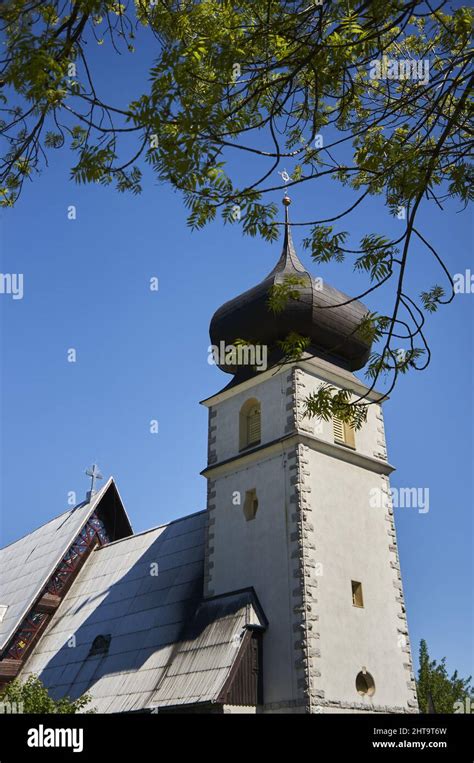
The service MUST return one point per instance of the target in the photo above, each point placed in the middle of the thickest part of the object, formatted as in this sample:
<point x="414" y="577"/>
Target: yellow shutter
<point x="349" y="435"/>
<point x="343" y="432"/>
<point x="338" y="427"/>
<point x="253" y="426"/>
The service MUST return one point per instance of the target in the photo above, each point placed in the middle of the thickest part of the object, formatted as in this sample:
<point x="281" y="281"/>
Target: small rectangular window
<point x="250" y="504"/>
<point x="357" y="597"/>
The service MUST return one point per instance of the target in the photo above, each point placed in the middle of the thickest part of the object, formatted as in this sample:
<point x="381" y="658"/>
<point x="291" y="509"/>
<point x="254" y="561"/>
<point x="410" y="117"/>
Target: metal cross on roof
<point x="94" y="474"/>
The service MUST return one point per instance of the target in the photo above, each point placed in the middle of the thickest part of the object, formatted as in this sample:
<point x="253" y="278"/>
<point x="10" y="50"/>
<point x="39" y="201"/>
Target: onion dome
<point x="322" y="313"/>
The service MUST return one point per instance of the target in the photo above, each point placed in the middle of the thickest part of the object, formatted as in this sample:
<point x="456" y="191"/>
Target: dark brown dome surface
<point x="322" y="313"/>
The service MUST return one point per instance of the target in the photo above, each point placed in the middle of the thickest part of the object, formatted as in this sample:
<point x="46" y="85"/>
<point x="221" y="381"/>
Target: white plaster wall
<point x="271" y="393"/>
<point x="369" y="440"/>
<point x="352" y="544"/>
<point x="255" y="553"/>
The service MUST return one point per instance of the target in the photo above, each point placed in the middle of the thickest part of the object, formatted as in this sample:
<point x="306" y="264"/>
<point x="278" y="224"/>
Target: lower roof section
<point x="137" y="594"/>
<point x="134" y="632"/>
<point x="212" y="644"/>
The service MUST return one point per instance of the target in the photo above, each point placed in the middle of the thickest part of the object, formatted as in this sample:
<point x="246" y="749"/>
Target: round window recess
<point x="365" y="684"/>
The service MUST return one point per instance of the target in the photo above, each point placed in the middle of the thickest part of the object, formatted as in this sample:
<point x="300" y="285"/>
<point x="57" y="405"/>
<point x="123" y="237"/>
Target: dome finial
<point x="286" y="203"/>
<point x="331" y="332"/>
<point x="288" y="261"/>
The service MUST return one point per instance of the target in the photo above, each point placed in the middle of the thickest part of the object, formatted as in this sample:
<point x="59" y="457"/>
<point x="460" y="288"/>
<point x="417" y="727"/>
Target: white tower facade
<point x="303" y="515"/>
<point x="299" y="508"/>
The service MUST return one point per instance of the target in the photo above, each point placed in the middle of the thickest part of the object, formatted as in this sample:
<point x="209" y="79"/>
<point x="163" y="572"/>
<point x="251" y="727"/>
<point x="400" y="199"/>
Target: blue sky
<point x="142" y="355"/>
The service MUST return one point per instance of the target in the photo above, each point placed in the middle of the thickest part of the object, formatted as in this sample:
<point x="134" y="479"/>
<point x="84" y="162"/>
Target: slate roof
<point x="27" y="564"/>
<point x="167" y="646"/>
<point x="115" y="594"/>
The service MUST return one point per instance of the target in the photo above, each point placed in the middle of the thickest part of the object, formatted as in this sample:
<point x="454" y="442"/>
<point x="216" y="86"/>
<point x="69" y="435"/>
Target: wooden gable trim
<point x="107" y="522"/>
<point x="48" y="603"/>
<point x="9" y="670"/>
<point x="45" y="606"/>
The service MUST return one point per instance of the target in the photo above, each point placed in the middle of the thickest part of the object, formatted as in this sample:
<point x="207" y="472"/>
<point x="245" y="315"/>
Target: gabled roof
<point x="140" y="591"/>
<point x="27" y="564"/>
<point x="166" y="646"/>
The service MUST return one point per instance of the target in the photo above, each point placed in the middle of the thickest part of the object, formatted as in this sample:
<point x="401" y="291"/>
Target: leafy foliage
<point x="328" y="401"/>
<point x="377" y="257"/>
<point x="293" y="346"/>
<point x="398" y="361"/>
<point x="437" y="691"/>
<point x="280" y="293"/>
<point x="325" y="247"/>
<point x="33" y="697"/>
<point x="372" y="327"/>
<point x="292" y="85"/>
<point x="432" y="298"/>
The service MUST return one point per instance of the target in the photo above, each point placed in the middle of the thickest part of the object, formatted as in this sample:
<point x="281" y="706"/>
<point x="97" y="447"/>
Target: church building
<point x="283" y="596"/>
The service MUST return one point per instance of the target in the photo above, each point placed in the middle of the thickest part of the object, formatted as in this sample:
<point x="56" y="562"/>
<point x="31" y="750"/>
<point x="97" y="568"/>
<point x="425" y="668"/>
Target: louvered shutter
<point x="338" y="427"/>
<point x="253" y="426"/>
<point x="343" y="432"/>
<point x="349" y="435"/>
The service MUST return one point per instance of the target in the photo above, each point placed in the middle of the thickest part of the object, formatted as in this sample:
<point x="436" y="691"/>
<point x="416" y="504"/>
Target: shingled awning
<point x="218" y="658"/>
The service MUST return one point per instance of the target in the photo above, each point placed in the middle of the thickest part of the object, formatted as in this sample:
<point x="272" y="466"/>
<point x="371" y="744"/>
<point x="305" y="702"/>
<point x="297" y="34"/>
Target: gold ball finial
<point x="286" y="200"/>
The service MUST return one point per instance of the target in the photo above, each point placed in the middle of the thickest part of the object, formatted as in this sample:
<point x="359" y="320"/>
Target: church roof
<point x="143" y="608"/>
<point x="28" y="563"/>
<point x="160" y="644"/>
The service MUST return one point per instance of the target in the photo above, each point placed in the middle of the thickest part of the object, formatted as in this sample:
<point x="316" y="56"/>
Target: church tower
<point x="293" y="510"/>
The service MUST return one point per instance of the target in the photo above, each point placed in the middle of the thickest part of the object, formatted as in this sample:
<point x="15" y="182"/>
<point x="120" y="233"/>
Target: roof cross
<point x="94" y="474"/>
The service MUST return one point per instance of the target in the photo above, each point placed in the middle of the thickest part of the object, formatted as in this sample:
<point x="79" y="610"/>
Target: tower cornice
<point x="288" y="441"/>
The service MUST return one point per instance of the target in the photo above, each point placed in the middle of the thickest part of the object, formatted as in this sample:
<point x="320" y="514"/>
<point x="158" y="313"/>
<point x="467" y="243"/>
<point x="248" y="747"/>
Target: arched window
<point x="250" y="424"/>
